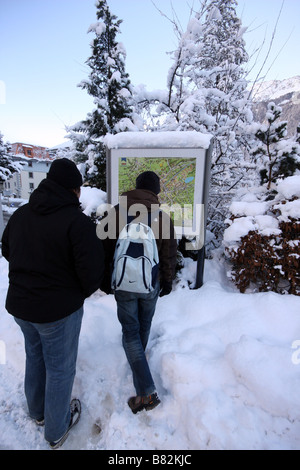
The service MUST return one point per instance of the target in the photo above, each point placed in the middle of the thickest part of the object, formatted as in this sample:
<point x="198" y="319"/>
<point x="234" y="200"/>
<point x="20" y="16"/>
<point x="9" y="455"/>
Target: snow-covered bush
<point x="263" y="238"/>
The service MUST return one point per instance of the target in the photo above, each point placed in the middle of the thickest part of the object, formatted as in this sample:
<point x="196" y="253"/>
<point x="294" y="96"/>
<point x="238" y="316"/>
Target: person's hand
<point x="166" y="288"/>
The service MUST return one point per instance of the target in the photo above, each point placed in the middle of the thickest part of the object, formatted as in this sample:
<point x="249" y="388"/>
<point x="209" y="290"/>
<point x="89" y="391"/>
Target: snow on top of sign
<point x="170" y="139"/>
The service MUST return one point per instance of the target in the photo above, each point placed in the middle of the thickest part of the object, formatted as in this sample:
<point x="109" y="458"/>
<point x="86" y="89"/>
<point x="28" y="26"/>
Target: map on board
<point x="177" y="182"/>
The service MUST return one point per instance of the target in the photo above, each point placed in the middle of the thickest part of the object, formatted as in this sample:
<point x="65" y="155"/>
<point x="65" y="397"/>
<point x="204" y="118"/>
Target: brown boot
<point x="147" y="403"/>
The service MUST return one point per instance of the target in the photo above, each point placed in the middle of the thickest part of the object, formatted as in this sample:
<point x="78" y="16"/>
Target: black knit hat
<point x="148" y="180"/>
<point x="65" y="173"/>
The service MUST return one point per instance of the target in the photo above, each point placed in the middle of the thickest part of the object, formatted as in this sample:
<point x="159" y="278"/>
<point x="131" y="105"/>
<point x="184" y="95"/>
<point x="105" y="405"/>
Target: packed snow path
<point x="223" y="363"/>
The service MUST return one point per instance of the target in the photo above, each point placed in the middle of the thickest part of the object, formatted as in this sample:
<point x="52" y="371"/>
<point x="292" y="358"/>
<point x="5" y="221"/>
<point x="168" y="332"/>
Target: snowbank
<point x="290" y="186"/>
<point x="91" y="198"/>
<point x="223" y="362"/>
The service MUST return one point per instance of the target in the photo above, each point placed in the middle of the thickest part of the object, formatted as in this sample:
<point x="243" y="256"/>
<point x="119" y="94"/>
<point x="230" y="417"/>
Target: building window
<point x="31" y="186"/>
<point x="30" y="175"/>
<point x="29" y="152"/>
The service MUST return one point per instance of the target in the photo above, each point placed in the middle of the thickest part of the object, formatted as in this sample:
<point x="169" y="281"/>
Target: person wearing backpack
<point x="136" y="288"/>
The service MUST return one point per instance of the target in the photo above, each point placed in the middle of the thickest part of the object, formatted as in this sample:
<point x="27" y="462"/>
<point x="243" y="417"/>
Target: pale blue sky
<point x="44" y="45"/>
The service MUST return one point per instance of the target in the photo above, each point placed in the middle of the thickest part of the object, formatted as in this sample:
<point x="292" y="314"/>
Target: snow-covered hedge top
<point x="253" y="214"/>
<point x="170" y="139"/>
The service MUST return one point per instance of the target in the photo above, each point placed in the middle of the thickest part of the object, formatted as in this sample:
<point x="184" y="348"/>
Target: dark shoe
<point x="147" y="403"/>
<point x="40" y="422"/>
<point x="75" y="415"/>
<point x="151" y="401"/>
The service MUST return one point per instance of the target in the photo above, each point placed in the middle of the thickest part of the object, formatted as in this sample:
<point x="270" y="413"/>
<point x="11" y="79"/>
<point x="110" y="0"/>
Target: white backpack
<point x="136" y="261"/>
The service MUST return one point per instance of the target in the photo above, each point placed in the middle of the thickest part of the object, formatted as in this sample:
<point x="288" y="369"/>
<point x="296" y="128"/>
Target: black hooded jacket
<point x="55" y="258"/>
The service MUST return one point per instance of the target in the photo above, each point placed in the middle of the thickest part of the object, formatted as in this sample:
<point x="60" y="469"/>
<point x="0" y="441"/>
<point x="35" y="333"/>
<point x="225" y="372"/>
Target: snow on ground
<point x="223" y="363"/>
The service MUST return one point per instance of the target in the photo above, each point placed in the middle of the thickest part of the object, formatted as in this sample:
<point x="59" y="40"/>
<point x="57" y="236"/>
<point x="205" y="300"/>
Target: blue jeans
<point x="135" y="313"/>
<point x="51" y="355"/>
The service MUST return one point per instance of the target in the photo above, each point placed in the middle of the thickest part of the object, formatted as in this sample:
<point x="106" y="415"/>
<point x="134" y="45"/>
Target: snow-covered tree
<point x="109" y="85"/>
<point x="277" y="155"/>
<point x="217" y="70"/>
<point x="7" y="165"/>
<point x="207" y="93"/>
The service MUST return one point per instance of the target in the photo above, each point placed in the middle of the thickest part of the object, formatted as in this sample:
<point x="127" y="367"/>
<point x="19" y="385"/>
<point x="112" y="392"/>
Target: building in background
<point x="35" y="162"/>
<point x="31" y="176"/>
<point x="30" y="151"/>
<point x="22" y="184"/>
<point x="12" y="186"/>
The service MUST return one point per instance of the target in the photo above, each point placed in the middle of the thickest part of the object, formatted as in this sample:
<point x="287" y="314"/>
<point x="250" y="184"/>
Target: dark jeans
<point x="51" y="354"/>
<point x="135" y="313"/>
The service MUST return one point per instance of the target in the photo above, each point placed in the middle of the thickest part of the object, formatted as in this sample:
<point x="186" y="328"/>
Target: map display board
<point x="182" y="179"/>
<point x="177" y="183"/>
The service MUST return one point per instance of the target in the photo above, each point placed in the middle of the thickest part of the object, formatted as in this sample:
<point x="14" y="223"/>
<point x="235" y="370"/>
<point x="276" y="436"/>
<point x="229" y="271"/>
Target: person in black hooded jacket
<point x="55" y="261"/>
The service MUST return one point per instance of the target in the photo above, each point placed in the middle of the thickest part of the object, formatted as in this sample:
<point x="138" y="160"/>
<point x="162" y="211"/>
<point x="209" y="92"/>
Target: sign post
<point x="182" y="160"/>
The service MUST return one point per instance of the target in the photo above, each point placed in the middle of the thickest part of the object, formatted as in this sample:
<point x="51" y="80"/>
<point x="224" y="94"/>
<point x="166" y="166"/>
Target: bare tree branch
<point x="268" y="52"/>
